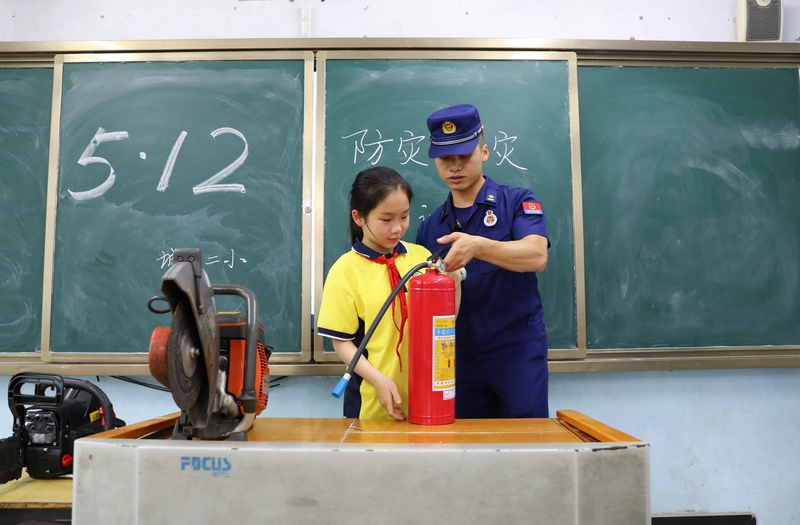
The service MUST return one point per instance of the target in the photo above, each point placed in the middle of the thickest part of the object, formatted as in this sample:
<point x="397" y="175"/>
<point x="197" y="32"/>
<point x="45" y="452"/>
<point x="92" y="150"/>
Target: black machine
<point x="50" y="413"/>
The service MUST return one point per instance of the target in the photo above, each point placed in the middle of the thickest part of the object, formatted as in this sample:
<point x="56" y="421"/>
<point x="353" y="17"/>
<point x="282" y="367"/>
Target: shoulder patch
<point x="532" y="208"/>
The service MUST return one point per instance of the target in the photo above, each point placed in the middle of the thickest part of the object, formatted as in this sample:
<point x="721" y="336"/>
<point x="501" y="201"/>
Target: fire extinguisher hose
<point x="340" y="386"/>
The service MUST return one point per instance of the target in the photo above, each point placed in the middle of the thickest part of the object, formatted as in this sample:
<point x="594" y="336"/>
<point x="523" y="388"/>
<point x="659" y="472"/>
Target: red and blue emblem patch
<point x="532" y="208"/>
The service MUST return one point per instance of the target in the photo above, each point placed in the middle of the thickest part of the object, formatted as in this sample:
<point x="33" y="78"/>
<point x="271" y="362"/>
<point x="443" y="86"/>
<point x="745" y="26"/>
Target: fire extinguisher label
<point x="444" y="354"/>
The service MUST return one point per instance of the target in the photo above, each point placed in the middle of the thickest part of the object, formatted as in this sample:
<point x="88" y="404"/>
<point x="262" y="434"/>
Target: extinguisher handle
<point x="437" y="254"/>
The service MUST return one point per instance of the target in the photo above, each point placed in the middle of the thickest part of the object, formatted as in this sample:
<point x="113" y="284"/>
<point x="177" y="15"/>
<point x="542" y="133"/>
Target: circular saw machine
<point x="215" y="364"/>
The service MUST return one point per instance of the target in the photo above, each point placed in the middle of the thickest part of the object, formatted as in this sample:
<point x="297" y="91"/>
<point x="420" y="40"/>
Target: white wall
<point x="77" y="20"/>
<point x="721" y="441"/>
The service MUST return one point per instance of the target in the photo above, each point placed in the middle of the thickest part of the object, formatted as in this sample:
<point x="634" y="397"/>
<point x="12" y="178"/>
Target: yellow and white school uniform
<point x="355" y="290"/>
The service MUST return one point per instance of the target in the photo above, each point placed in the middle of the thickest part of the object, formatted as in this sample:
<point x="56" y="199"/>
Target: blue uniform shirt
<point x="499" y="308"/>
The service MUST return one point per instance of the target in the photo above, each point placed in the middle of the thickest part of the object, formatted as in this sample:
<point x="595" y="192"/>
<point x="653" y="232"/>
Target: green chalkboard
<point x="375" y="113"/>
<point x="26" y="96"/>
<point x="691" y="189"/>
<point x="205" y="154"/>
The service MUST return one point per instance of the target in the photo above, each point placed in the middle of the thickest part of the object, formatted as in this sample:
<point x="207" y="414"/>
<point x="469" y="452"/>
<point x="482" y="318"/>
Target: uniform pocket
<point x="537" y="332"/>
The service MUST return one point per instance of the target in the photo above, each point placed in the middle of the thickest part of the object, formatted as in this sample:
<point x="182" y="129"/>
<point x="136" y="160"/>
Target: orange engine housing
<point x="236" y="372"/>
<point x="232" y="330"/>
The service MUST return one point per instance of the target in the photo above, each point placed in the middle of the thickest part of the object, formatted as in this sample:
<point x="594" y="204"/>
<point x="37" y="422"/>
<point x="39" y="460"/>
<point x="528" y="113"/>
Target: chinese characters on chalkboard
<point x="228" y="260"/>
<point x="410" y="147"/>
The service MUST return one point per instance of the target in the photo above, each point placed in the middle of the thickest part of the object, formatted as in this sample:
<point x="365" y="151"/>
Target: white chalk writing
<point x="229" y="259"/>
<point x="411" y="144"/>
<point x="505" y="142"/>
<point x="210" y="185"/>
<point x="360" y="146"/>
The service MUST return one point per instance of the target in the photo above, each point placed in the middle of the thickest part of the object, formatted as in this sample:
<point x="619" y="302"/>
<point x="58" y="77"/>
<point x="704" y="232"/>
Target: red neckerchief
<point x="394" y="279"/>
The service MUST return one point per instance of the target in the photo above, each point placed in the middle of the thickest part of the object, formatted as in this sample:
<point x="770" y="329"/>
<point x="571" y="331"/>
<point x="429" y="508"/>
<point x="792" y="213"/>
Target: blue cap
<point x="454" y="131"/>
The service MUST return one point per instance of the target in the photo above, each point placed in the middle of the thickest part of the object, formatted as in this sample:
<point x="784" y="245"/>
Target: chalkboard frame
<point x="570" y="58"/>
<point x="128" y="358"/>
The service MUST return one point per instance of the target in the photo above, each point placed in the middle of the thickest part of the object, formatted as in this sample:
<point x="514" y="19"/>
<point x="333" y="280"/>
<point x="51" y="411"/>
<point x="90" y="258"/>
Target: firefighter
<point x="498" y="234"/>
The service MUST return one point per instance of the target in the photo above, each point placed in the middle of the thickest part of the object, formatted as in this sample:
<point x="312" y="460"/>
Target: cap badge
<point x="448" y="128"/>
<point x="490" y="219"/>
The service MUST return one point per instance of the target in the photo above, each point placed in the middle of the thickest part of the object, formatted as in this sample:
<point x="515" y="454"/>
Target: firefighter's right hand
<point x="389" y="397"/>
<point x="463" y="249"/>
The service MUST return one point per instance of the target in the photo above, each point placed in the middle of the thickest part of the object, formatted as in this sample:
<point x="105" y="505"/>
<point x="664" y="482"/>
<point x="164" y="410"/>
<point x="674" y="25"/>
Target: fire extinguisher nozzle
<point x="340" y="386"/>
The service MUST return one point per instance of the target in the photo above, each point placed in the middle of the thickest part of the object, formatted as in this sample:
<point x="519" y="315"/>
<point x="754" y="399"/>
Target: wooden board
<point x="568" y="427"/>
<point x="27" y="492"/>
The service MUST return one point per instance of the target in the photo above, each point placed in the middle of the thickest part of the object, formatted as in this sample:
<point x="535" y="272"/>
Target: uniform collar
<point x="363" y="250"/>
<point x="488" y="195"/>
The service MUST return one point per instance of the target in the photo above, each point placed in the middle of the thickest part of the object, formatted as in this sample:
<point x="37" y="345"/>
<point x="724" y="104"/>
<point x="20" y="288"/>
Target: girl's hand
<point x="458" y="276"/>
<point x="389" y="397"/>
<point x="455" y="276"/>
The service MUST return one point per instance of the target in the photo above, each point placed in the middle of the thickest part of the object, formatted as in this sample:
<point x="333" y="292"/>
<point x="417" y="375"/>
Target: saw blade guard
<point x="194" y="333"/>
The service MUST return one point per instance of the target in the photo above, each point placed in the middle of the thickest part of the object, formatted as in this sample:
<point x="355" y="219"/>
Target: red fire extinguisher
<point x="432" y="349"/>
